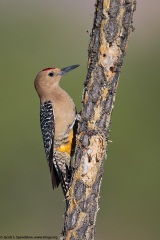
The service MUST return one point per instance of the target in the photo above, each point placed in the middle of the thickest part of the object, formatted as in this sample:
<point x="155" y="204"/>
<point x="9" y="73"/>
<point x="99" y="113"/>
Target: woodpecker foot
<point x="78" y="116"/>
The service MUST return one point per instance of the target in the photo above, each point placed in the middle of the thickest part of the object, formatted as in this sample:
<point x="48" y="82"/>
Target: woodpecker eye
<point x="51" y="74"/>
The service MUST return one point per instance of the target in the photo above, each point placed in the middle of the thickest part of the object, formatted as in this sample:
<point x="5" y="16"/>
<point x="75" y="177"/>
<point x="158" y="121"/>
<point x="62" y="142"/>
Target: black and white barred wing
<point x="47" y="127"/>
<point x="48" y="130"/>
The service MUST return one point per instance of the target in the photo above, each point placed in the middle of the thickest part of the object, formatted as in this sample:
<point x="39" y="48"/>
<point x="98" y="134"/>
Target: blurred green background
<point x="38" y="34"/>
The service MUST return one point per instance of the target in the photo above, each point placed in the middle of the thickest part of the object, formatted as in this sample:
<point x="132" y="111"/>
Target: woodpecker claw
<point x="78" y="116"/>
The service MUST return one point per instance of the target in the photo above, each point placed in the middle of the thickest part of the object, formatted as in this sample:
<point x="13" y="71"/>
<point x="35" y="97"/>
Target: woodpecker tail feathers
<point x="61" y="162"/>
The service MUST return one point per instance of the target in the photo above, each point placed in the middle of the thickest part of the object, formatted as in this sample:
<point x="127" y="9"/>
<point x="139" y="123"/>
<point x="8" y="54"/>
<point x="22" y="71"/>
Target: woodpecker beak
<point x="67" y="69"/>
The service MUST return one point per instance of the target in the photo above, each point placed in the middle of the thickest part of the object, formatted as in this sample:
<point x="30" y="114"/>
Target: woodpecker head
<point x="49" y="78"/>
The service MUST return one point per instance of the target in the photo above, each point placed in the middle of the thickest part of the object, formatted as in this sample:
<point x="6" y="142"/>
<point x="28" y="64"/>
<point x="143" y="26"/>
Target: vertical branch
<point x="111" y="29"/>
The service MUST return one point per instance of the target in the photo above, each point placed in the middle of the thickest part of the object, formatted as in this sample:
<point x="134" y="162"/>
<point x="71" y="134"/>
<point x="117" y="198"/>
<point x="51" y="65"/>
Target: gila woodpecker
<point x="57" y="120"/>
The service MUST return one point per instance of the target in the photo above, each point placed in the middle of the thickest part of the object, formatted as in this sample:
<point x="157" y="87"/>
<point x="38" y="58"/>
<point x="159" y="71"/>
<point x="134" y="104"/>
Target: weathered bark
<point x="111" y="28"/>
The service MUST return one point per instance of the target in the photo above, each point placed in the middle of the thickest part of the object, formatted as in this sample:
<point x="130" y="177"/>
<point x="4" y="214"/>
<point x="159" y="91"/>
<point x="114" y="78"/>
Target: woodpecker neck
<point x="62" y="102"/>
<point x="55" y="94"/>
<point x="59" y="95"/>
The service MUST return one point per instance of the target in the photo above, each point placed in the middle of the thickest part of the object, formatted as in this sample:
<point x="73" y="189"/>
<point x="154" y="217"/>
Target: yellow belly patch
<point x="66" y="147"/>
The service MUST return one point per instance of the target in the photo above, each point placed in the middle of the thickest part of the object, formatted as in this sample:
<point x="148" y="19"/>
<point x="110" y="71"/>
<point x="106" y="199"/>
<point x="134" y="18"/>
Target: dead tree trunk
<point x="111" y="29"/>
